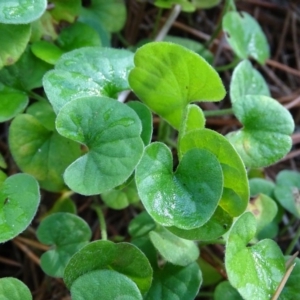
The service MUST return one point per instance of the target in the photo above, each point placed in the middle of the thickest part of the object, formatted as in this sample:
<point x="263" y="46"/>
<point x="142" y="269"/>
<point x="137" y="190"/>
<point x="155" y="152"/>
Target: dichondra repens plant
<point x="194" y="191"/>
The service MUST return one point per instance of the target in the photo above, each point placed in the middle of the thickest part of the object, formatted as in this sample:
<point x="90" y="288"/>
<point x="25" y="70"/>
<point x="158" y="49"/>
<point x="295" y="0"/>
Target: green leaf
<point x="247" y="81"/>
<point x="46" y="51"/>
<point x="167" y="77"/>
<point x="3" y="177"/>
<point x="2" y="162"/>
<point x="187" y="198"/>
<point x="88" y="71"/>
<point x="263" y="262"/>
<point x="104" y="284"/>
<point x="102" y="255"/>
<point x="141" y="225"/>
<point x="40" y="151"/>
<point x="12" y="102"/>
<point x="67" y="233"/>
<point x="236" y="192"/>
<point x="172" y="248"/>
<point x="245" y="36"/>
<point x="13" y="289"/>
<point x="19" y="198"/>
<point x="224" y="290"/>
<point x="205" y="3"/>
<point x="13" y="41"/>
<point x="261" y="186"/>
<point x="287" y="191"/>
<point x="265" y="137"/>
<point x="209" y="273"/>
<point x="111" y="131"/>
<point x="66" y="10"/>
<point x="20" y="11"/>
<point x="185" y="4"/>
<point x="66" y="205"/>
<point x="175" y="283"/>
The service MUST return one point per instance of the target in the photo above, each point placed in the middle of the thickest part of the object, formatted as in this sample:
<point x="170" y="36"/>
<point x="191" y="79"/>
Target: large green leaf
<point x="167" y="77"/>
<point x="67" y="233"/>
<point x="187" y="198"/>
<point x="265" y="137"/>
<point x="19" y="198"/>
<point x="105" y="255"/>
<point x="21" y="11"/>
<point x="90" y="71"/>
<point x="245" y="36"/>
<point x="111" y="130"/>
<point x="254" y="271"/>
<point x="13" y="289"/>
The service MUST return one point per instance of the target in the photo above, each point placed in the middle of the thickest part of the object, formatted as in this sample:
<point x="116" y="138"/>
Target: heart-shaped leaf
<point x="167" y="77"/>
<point x="236" y="192"/>
<point x="111" y="130"/>
<point x="175" y="282"/>
<point x="265" y="137"/>
<point x="224" y="290"/>
<point x="105" y="255"/>
<point x="67" y="233"/>
<point x="19" y="198"/>
<point x="245" y="36"/>
<point x="263" y="262"/>
<point x="186" y="199"/>
<point x="90" y="71"/>
<point x="21" y="12"/>
<point x="104" y="284"/>
<point x="14" y="289"/>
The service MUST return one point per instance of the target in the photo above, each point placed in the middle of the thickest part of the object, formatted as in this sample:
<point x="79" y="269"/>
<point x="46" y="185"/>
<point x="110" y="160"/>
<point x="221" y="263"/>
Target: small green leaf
<point x="90" y="71"/>
<point x="261" y="186"/>
<point x="102" y="255"/>
<point x="185" y="4"/>
<point x="2" y="162"/>
<point x="167" y="77"/>
<point x="172" y="248"/>
<point x="245" y="36"/>
<point x="141" y="225"/>
<point x="111" y="131"/>
<point x="13" y="41"/>
<point x="247" y="81"/>
<point x="19" y="200"/>
<point x="175" y="282"/>
<point x="287" y="191"/>
<point x="265" y="137"/>
<point x="104" y="284"/>
<point x="66" y="205"/>
<point x="186" y="199"/>
<point x="3" y="177"/>
<point x="66" y="10"/>
<point x="20" y="11"/>
<point x="205" y="3"/>
<point x="12" y="102"/>
<point x="209" y="273"/>
<point x="67" y="233"/>
<point x="224" y="290"/>
<point x="254" y="271"/>
<point x="13" y="289"/>
<point x="46" y="51"/>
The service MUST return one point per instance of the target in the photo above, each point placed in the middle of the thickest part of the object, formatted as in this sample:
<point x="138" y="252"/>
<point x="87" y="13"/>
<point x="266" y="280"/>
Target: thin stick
<point x="102" y="222"/>
<point x="27" y="251"/>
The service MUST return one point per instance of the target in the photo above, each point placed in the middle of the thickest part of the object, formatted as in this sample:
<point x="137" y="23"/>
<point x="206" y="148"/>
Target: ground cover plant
<point x="139" y="166"/>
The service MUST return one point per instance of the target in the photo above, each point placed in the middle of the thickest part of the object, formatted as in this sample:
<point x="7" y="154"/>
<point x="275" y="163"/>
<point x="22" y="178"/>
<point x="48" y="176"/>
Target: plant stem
<point x="229" y="66"/>
<point x="293" y="242"/>
<point x="211" y="242"/>
<point x="157" y="19"/>
<point x="218" y="112"/>
<point x="36" y="96"/>
<point x="123" y="40"/>
<point x="101" y="218"/>
<point x="205" y="294"/>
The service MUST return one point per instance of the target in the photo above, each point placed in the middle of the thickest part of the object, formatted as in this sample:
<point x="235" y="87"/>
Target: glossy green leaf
<point x="66" y="10"/>
<point x="236" y="192"/>
<point x="19" y="198"/>
<point x="185" y="4"/>
<point x="105" y="255"/>
<point x="104" y="284"/>
<point x="265" y="137"/>
<point x="187" y="198"/>
<point x="13" y="289"/>
<point x="67" y="233"/>
<point x="245" y="36"/>
<point x="40" y="151"/>
<point x="20" y="11"/>
<point x="261" y="186"/>
<point x="13" y="41"/>
<point x="141" y="225"/>
<point x="172" y="248"/>
<point x="90" y="71"/>
<point x="12" y="102"/>
<point x="224" y="290"/>
<point x="175" y="282"/>
<point x="247" y="81"/>
<point x="287" y="191"/>
<point x="263" y="262"/>
<point x="217" y="225"/>
<point x="205" y="3"/>
<point x="111" y="131"/>
<point x="46" y="51"/>
<point x="167" y="77"/>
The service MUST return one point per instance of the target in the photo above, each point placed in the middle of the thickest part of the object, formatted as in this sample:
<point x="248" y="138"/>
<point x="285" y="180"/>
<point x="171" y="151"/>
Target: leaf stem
<point x="293" y="242"/>
<point x="229" y="66"/>
<point x="218" y="112"/>
<point x="102" y="222"/>
<point x="157" y="20"/>
<point x="36" y="96"/>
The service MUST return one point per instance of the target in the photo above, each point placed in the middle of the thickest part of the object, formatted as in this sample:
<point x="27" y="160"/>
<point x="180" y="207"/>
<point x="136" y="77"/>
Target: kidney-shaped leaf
<point x="254" y="271"/>
<point x="265" y="137"/>
<point x="19" y="198"/>
<point x="90" y="71"/>
<point x="167" y="77"/>
<point x="187" y="198"/>
<point x="111" y="131"/>
<point x="245" y="36"/>
<point x="14" y="289"/>
<point x="67" y="233"/>
<point x="124" y="258"/>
